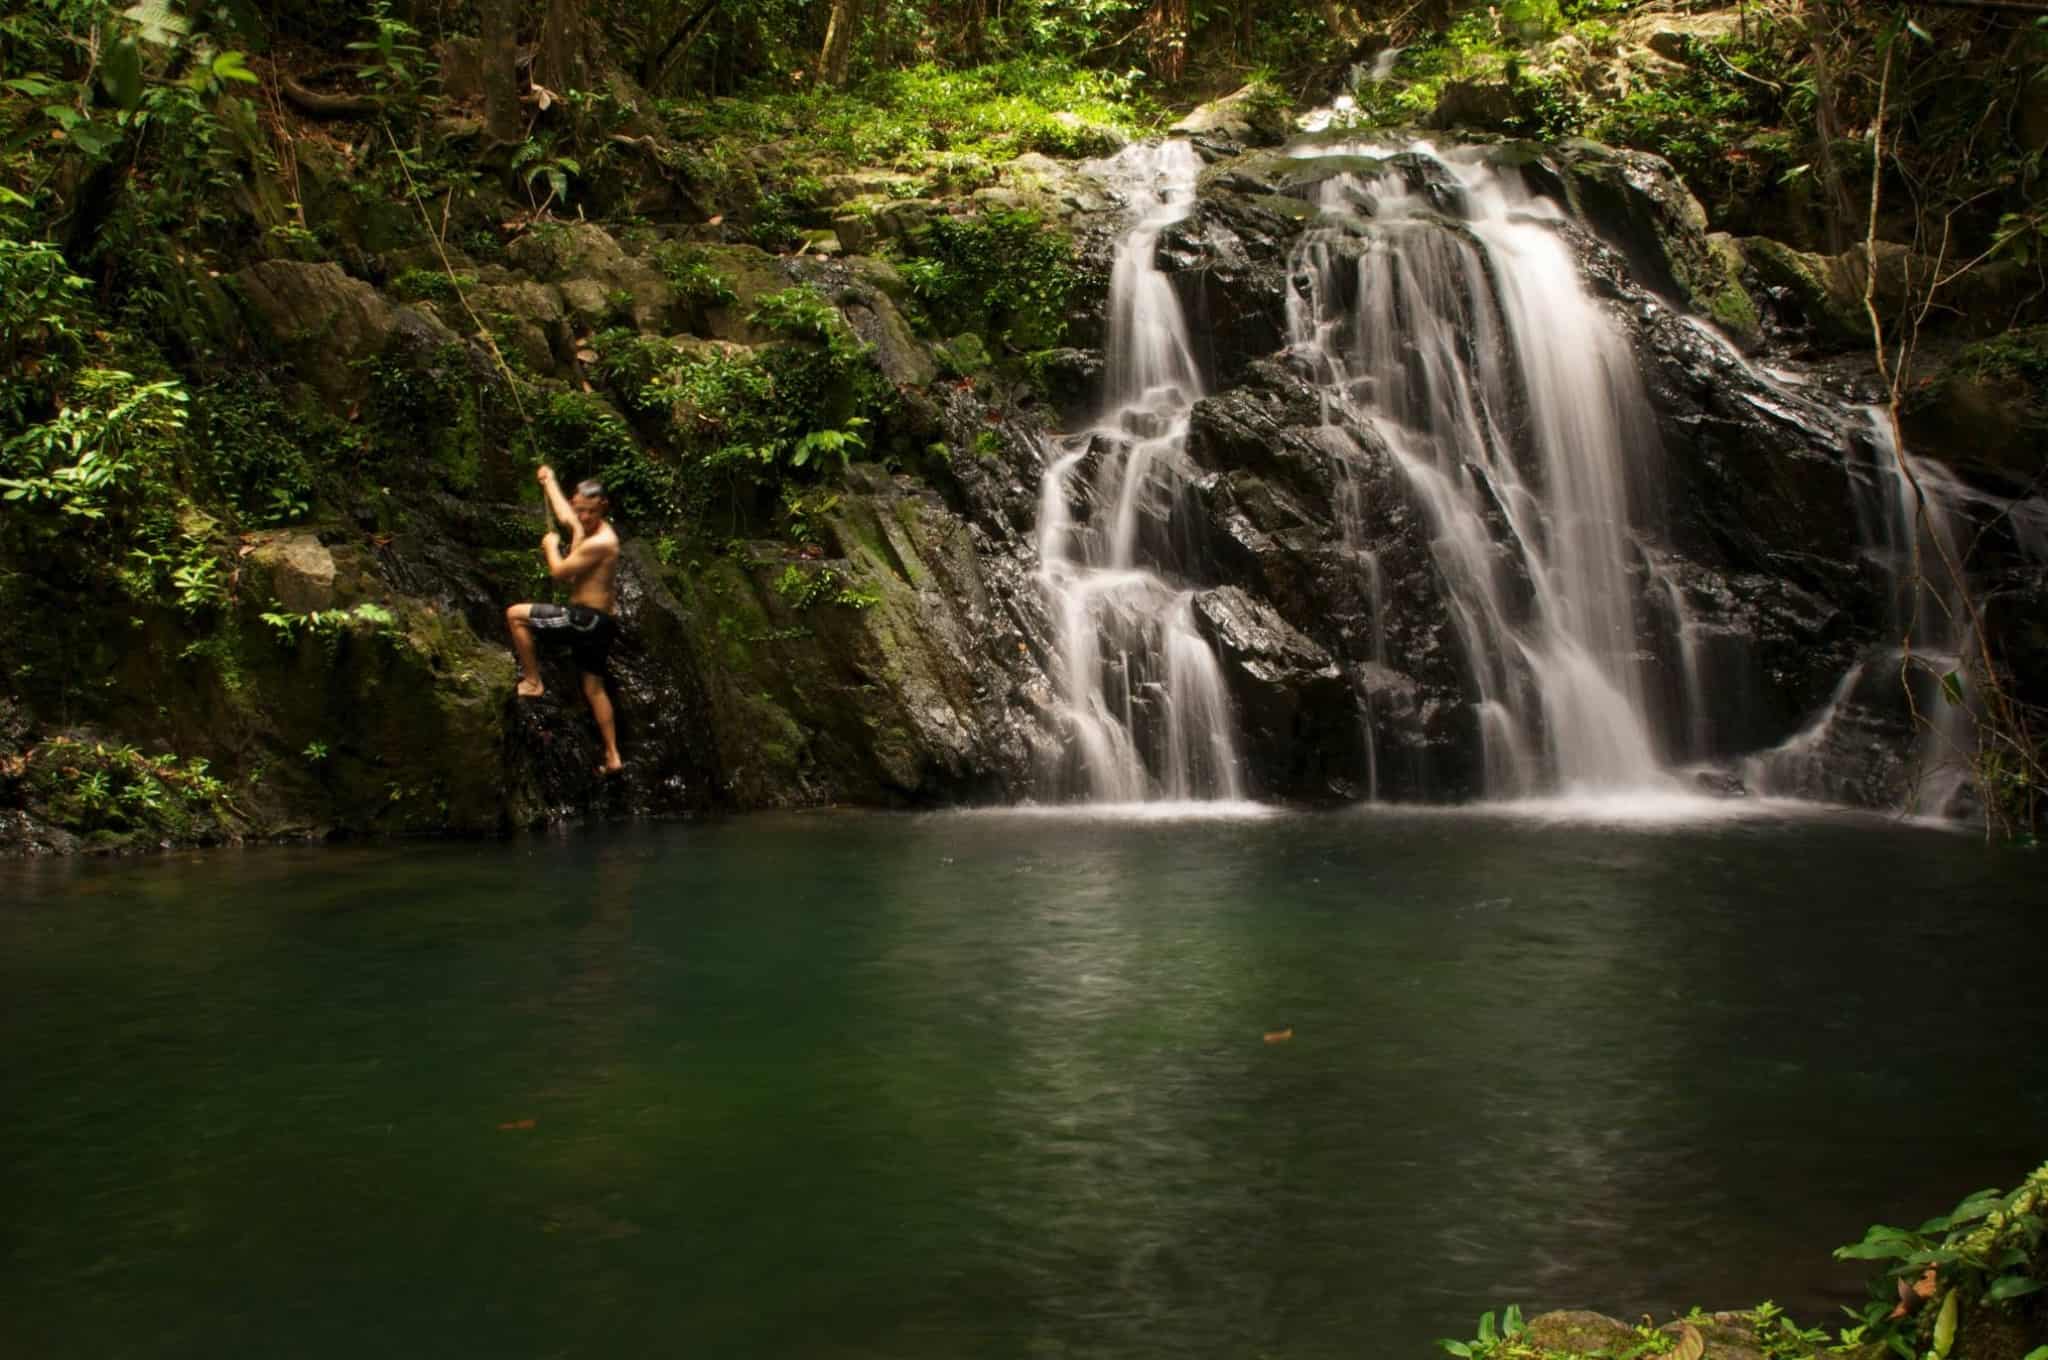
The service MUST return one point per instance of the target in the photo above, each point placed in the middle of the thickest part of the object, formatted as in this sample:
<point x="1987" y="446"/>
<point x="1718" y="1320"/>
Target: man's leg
<point x="522" y="645"/>
<point x="601" y="709"/>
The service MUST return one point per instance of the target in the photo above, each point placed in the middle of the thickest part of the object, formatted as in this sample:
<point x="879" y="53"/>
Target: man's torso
<point x="597" y="588"/>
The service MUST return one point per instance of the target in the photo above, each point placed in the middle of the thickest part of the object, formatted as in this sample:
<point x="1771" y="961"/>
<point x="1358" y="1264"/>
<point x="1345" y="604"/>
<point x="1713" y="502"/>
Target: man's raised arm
<point x="559" y="503"/>
<point x="583" y="555"/>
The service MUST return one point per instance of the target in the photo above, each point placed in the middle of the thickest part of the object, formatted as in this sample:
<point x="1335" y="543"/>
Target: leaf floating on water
<point x="514" y="1124"/>
<point x="1279" y="1036"/>
<point x="1691" y="1345"/>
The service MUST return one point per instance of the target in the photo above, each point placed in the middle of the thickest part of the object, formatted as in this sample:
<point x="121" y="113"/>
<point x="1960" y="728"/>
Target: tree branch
<point x="330" y="105"/>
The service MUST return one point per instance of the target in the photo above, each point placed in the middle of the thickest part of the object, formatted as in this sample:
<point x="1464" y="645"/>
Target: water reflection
<point x="909" y="1086"/>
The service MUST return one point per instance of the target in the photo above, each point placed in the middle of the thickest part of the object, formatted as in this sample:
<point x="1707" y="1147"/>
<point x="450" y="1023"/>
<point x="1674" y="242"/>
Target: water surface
<point x="859" y="1085"/>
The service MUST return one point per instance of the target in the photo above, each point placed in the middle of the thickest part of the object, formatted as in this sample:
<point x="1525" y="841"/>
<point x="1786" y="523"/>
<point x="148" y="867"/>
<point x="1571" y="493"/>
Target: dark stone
<point x="1296" y="713"/>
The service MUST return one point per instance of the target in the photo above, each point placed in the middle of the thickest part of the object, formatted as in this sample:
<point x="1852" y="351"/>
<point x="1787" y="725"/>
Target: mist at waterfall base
<point x="863" y="1085"/>
<point x="1442" y="315"/>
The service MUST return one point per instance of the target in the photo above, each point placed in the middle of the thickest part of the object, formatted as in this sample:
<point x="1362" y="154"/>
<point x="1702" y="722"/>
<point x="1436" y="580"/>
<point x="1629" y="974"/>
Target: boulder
<point x="1475" y="103"/>
<point x="296" y="567"/>
<point x="328" y="323"/>
<point x="1248" y="116"/>
<point x="1825" y="292"/>
<point x="1578" y="1332"/>
<point x="1670" y="34"/>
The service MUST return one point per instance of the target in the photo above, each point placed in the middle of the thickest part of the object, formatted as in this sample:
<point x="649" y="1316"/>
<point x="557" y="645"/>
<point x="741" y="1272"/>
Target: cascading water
<point x="1441" y="310"/>
<point x="1140" y="692"/>
<point x="1909" y="540"/>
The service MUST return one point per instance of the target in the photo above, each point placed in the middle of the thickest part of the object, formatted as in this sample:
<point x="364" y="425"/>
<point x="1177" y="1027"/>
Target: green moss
<point x="429" y="285"/>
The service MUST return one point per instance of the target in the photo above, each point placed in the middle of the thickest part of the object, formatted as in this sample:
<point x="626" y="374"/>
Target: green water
<point x="993" y="1085"/>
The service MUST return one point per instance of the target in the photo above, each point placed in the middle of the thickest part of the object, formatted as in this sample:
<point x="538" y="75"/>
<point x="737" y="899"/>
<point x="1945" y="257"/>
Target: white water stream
<point x="1910" y="541"/>
<point x="1140" y="693"/>
<point x="1454" y="325"/>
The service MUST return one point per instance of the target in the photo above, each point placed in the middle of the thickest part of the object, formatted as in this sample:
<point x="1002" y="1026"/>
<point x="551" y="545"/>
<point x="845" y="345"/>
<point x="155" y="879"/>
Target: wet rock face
<point x="1297" y="715"/>
<point x="1761" y="598"/>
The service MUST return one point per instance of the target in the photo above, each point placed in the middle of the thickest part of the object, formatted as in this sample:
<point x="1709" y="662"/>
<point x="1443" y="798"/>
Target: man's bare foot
<point x="531" y="688"/>
<point x="612" y="765"/>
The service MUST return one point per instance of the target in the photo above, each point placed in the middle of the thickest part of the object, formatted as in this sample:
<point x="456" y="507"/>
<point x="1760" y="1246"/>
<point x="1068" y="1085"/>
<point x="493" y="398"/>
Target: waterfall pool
<point x="998" y="1084"/>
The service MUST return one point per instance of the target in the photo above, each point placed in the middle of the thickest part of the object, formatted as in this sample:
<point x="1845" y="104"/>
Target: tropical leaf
<point x="157" y="22"/>
<point x="1945" y="1325"/>
<point x="233" y="66"/>
<point x="2010" y="1287"/>
<point x="1691" y="1345"/>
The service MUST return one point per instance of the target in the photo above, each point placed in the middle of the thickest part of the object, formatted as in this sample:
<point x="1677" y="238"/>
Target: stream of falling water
<point x="1141" y="695"/>
<point x="1441" y="310"/>
<point x="1908" y="543"/>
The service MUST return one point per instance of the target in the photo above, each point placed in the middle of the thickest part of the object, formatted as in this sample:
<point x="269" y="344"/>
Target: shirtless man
<point x="585" y="625"/>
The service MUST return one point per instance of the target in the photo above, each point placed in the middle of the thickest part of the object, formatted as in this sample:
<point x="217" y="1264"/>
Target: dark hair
<point x="592" y="488"/>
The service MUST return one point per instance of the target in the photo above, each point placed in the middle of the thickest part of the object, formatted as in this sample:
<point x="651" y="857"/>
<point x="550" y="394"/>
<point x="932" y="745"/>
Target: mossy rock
<point x="1985" y="408"/>
<point x="328" y="324"/>
<point x="1578" y="1332"/>
<point x="1824" y="291"/>
<point x="1251" y="115"/>
<point x="1721" y="295"/>
<point x="752" y="274"/>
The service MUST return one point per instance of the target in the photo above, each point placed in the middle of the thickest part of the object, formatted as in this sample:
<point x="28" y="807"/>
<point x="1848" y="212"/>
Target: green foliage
<point x="744" y="420"/>
<point x="448" y="401"/>
<point x="803" y="588"/>
<point x="692" y="274"/>
<point x="1984" y="1252"/>
<point x="429" y="285"/>
<point x="1488" y="1339"/>
<point x="252" y="452"/>
<point x="328" y="625"/>
<point x="924" y="117"/>
<point x="97" y="457"/>
<point x="537" y="161"/>
<point x="1783" y="1339"/>
<point x="801" y="313"/>
<point x="2021" y="353"/>
<point x="583" y="431"/>
<point x="1001" y="273"/>
<point x="43" y="314"/>
<point x="116" y="792"/>
<point x="392" y="60"/>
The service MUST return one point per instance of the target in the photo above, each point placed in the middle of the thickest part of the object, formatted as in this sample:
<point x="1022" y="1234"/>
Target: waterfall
<point x="1440" y="309"/>
<point x="1927" y="631"/>
<point x="1140" y="693"/>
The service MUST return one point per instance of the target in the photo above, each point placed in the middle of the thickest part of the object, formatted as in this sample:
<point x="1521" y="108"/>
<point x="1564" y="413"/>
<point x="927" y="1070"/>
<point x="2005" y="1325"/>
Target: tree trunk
<point x="972" y="28"/>
<point x="498" y="55"/>
<point x="838" y="49"/>
<point x="562" y="61"/>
